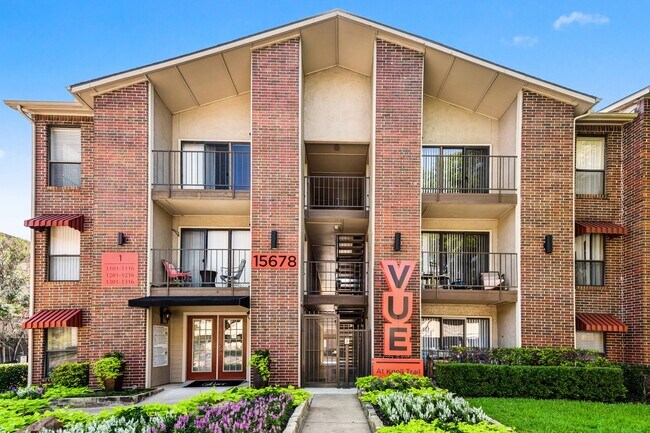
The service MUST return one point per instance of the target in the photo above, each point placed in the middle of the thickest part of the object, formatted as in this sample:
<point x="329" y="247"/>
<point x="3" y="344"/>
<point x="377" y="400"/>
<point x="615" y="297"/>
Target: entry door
<point x="232" y="348"/>
<point x="202" y="347"/>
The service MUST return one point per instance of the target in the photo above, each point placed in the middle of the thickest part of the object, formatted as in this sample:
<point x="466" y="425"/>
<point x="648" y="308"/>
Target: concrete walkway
<point x="335" y="411"/>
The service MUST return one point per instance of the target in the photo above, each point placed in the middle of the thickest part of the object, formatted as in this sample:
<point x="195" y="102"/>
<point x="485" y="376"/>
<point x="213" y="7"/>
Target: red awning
<point x="54" y="319"/>
<point x="599" y="322"/>
<point x="74" y="221"/>
<point x="584" y="227"/>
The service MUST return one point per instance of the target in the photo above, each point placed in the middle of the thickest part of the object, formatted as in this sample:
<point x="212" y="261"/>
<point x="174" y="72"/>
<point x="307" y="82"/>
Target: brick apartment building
<point x="242" y="197"/>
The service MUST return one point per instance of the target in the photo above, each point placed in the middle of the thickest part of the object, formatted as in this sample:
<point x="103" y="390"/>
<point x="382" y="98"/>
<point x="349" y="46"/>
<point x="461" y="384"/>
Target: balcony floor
<point x="490" y="206"/>
<point x="459" y="296"/>
<point x="202" y="201"/>
<point x="338" y="300"/>
<point x="199" y="291"/>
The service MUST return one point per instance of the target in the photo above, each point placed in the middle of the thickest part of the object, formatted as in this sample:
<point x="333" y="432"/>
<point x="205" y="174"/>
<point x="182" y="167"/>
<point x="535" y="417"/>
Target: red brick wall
<point x="636" y="217"/>
<point x="51" y="200"/>
<point x="121" y="205"/>
<point x="275" y="203"/>
<point x="547" y="280"/>
<point x="113" y="198"/>
<point x="398" y="148"/>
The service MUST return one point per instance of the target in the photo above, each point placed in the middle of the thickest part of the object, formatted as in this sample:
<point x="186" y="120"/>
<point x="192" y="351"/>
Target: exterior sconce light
<point x="274" y="239"/>
<point x="121" y="238"/>
<point x="165" y="315"/>
<point x="548" y="244"/>
<point x="397" y="243"/>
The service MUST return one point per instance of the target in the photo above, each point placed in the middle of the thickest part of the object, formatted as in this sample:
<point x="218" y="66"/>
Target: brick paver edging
<point x="108" y="400"/>
<point x="294" y="425"/>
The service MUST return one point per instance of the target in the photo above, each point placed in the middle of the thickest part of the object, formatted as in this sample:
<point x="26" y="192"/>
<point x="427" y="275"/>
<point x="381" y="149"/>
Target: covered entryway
<point x="335" y="350"/>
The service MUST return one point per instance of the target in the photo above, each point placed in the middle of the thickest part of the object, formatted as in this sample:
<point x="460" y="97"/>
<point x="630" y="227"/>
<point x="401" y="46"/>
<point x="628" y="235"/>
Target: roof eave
<point x="53" y="108"/>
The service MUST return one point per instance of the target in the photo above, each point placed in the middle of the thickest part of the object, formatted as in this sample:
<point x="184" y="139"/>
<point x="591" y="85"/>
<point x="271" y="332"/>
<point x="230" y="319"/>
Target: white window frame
<point x="602" y="170"/>
<point x="52" y="162"/>
<point x="69" y="247"/>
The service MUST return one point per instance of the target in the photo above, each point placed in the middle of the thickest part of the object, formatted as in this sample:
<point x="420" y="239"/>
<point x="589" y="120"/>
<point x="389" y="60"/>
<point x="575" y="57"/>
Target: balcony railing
<point x="336" y="192"/>
<point x="226" y="269"/>
<point x="205" y="169"/>
<point x="469" y="271"/>
<point x="469" y="174"/>
<point x="335" y="278"/>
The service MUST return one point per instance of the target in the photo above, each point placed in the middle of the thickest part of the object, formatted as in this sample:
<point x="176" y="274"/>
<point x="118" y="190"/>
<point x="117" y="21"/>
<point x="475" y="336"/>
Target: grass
<point x="562" y="416"/>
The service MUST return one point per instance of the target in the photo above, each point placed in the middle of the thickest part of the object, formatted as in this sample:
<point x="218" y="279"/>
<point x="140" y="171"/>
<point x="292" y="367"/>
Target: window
<point x="590" y="260"/>
<point x="590" y="341"/>
<point x="65" y="245"/>
<point x="61" y="347"/>
<point x="439" y="335"/>
<point x="590" y="165"/>
<point x="65" y="157"/>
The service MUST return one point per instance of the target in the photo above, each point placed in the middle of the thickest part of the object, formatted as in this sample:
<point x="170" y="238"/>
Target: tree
<point x="14" y="296"/>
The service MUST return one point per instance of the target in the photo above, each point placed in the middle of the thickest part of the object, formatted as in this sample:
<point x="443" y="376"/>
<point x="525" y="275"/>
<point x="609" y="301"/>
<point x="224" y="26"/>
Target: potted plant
<point x="260" y="364"/>
<point x="110" y="371"/>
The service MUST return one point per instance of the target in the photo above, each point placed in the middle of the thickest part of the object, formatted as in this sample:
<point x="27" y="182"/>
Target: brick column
<point x="398" y="149"/>
<point x="636" y="217"/>
<point x="121" y="205"/>
<point x="275" y="203"/>
<point x="547" y="194"/>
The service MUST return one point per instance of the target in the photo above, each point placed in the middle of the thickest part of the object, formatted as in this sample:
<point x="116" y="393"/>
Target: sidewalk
<point x="335" y="411"/>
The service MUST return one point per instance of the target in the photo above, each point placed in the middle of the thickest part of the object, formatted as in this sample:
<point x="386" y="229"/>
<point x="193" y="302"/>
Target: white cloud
<point x="521" y="41"/>
<point x="2" y="153"/>
<point x="580" y="18"/>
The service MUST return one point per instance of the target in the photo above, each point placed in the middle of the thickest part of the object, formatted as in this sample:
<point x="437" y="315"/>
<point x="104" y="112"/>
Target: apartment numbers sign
<point x="119" y="269"/>
<point x="275" y="261"/>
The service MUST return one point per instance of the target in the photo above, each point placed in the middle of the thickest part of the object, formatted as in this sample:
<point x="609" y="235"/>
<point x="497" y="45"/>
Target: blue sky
<point x="597" y="47"/>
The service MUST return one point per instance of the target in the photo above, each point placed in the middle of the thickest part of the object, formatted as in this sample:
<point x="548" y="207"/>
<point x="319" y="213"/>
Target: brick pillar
<point x="547" y="280"/>
<point x="398" y="149"/>
<point x="636" y="217"/>
<point x="121" y="205"/>
<point x="275" y="203"/>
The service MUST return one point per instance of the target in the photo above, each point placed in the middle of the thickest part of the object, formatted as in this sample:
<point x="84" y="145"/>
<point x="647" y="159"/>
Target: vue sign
<point x="397" y="307"/>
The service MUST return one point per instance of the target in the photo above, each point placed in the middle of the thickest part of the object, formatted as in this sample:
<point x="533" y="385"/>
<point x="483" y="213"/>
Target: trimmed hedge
<point x="533" y="356"/>
<point x="12" y="376"/>
<point x="637" y="381"/>
<point x="572" y="383"/>
<point x="71" y="375"/>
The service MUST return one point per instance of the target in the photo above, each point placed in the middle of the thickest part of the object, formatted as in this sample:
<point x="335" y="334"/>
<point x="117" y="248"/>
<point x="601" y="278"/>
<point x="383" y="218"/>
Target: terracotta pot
<point x="114" y="384"/>
<point x="256" y="379"/>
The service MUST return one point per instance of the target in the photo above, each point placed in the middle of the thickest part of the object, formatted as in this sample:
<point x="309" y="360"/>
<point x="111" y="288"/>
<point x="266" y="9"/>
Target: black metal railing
<point x="469" y="270"/>
<point x="336" y="192"/>
<point x="469" y="174"/>
<point x="206" y="169"/>
<point x="200" y="267"/>
<point x="329" y="277"/>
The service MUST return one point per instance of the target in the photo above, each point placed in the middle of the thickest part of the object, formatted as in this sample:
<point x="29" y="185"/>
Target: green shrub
<point x="109" y="367"/>
<point x="261" y="360"/>
<point x="419" y="426"/>
<point x="71" y="375"/>
<point x="12" y="376"/>
<point x="572" y="383"/>
<point x="637" y="381"/>
<point x="396" y="381"/>
<point x="533" y="356"/>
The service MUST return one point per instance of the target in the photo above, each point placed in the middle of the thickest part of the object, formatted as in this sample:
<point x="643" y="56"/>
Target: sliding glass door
<point x="439" y="335"/>
<point x="455" y="258"/>
<point x="456" y="169"/>
<point x="211" y="165"/>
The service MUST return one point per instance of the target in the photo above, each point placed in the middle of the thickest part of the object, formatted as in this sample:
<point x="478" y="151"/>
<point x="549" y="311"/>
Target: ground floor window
<point x="60" y="347"/>
<point x="590" y="341"/>
<point x="441" y="334"/>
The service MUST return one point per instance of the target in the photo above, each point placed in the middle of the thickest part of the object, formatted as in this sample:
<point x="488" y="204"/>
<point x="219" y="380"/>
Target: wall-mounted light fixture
<point x="274" y="239"/>
<point x="548" y="244"/>
<point x="165" y="315"/>
<point x="397" y="243"/>
<point x="121" y="238"/>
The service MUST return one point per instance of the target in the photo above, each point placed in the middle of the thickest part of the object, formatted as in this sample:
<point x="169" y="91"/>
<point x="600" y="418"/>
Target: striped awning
<point x="599" y="322"/>
<point x="602" y="227"/>
<point x="54" y="319"/>
<point x="74" y="221"/>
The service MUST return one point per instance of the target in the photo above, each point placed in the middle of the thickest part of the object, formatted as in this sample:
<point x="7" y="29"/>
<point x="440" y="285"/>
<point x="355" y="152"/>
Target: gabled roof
<point x="335" y="38"/>
<point x="626" y="103"/>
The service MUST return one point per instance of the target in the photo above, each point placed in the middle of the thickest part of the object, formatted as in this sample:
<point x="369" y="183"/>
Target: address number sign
<point x="275" y="261"/>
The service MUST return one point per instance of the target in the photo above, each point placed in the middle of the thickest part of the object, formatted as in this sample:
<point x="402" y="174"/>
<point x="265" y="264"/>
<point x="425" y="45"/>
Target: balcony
<point x="181" y="178"/>
<point x="469" y="277"/>
<point x="336" y="197"/>
<point x="200" y="272"/>
<point x="335" y="282"/>
<point x="460" y="185"/>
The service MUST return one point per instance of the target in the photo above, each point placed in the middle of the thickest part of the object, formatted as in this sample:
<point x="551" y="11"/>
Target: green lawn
<point x="562" y="416"/>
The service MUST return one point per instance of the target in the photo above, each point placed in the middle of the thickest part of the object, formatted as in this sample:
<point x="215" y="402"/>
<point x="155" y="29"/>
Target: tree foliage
<point x="14" y="296"/>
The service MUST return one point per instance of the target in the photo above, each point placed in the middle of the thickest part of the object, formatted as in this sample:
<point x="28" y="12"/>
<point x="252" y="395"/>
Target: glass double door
<point x="216" y="348"/>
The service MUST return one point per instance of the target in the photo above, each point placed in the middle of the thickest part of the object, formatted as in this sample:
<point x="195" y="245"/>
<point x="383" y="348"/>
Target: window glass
<point x="65" y="157"/>
<point x="590" y="165"/>
<point x="439" y="335"/>
<point x="61" y="347"/>
<point x="590" y="256"/>
<point x="590" y="341"/>
<point x="65" y="245"/>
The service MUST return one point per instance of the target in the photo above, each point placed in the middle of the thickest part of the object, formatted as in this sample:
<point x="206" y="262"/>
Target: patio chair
<point x="175" y="275"/>
<point x="232" y="275"/>
<point x="492" y="280"/>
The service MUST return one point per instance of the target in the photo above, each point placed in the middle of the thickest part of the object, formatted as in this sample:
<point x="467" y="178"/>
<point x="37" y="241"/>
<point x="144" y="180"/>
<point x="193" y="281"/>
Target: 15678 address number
<point x="275" y="261"/>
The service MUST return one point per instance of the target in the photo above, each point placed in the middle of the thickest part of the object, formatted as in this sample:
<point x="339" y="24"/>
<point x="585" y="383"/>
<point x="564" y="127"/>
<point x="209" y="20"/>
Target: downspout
<point x="30" y="336"/>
